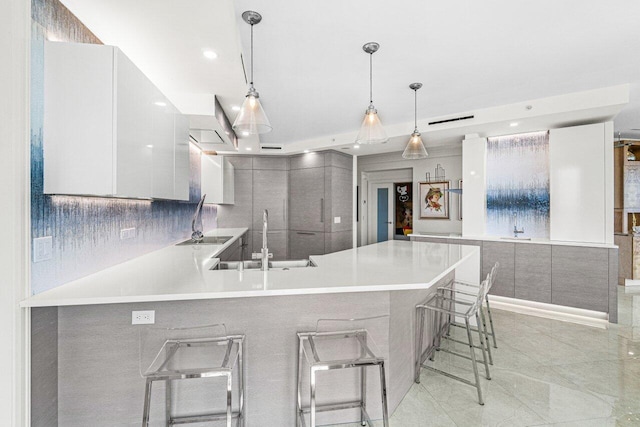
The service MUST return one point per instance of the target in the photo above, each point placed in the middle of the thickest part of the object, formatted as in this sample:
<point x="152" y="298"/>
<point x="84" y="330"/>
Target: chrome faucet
<point x="515" y="226"/>
<point x="196" y="223"/>
<point x="264" y="254"/>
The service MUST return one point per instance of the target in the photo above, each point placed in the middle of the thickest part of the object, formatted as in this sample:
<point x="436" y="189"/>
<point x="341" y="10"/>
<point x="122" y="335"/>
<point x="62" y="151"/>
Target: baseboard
<point x="631" y="282"/>
<point x="551" y="311"/>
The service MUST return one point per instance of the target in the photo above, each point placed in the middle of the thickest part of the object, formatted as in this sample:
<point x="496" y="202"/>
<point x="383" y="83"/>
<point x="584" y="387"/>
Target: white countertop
<point x="183" y="273"/>
<point x="535" y="241"/>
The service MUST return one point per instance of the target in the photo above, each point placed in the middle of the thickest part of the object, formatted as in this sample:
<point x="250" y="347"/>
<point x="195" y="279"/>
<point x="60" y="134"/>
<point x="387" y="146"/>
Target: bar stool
<point x="339" y="344"/>
<point x="462" y="287"/>
<point x="171" y="354"/>
<point x="445" y="303"/>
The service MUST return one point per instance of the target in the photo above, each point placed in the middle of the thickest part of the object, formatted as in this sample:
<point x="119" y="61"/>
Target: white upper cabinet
<point x="217" y="180"/>
<point x="108" y="131"/>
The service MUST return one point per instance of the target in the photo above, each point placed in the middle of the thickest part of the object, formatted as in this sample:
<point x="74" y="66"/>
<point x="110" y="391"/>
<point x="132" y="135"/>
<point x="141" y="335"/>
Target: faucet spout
<point x="515" y="226"/>
<point x="264" y="254"/>
<point x="196" y="223"/>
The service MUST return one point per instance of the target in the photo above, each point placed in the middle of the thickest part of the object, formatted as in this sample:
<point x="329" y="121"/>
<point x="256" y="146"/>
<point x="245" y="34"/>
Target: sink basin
<point x="515" y="239"/>
<point x="208" y="240"/>
<point x="273" y="265"/>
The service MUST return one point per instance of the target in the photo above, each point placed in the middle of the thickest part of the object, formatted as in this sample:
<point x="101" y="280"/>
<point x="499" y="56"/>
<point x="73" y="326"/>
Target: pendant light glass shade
<point x="251" y="118"/>
<point x="371" y="131"/>
<point x="415" y="147"/>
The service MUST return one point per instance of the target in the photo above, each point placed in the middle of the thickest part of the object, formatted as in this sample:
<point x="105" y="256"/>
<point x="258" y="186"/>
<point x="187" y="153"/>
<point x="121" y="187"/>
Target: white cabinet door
<point x="108" y="131"/>
<point x="217" y="180"/>
<point x="181" y="160"/>
<point x="78" y="119"/>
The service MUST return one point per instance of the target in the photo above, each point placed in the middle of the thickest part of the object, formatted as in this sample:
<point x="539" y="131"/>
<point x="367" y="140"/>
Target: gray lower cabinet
<point x="580" y="277"/>
<point x="533" y="272"/>
<point x="302" y="244"/>
<point x="270" y="191"/>
<point x="307" y="199"/>
<point x="504" y="253"/>
<point x="277" y="243"/>
<point x="234" y="251"/>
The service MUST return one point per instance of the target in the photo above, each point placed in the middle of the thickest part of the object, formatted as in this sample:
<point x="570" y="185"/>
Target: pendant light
<point x="371" y="131"/>
<point x="415" y="148"/>
<point x="251" y="119"/>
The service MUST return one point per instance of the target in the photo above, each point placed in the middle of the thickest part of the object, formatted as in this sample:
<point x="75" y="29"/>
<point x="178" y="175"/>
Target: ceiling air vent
<point x="271" y="147"/>
<point x="455" y="119"/>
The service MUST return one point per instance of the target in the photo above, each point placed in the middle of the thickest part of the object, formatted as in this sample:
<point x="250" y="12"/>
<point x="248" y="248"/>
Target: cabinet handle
<point x="322" y="210"/>
<point x="306" y="233"/>
<point x="284" y="211"/>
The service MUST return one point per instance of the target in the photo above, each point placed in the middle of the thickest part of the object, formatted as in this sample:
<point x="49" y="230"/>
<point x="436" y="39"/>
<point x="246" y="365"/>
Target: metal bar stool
<point x="441" y="305"/>
<point x="170" y="354"/>
<point x="339" y="344"/>
<point x="473" y="289"/>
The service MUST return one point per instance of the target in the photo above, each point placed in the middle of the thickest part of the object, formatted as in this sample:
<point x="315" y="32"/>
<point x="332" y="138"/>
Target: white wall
<point x="474" y="162"/>
<point x="15" y="21"/>
<point x="450" y="158"/>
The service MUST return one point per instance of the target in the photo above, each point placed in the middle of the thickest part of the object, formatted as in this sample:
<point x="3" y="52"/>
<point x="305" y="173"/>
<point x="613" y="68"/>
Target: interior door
<point x="381" y="215"/>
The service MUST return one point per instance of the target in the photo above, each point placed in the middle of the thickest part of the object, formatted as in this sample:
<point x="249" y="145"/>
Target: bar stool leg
<point x="486" y="335"/>
<point x="493" y="332"/>
<point x="482" y="346"/>
<point x="147" y="403"/>
<point x="241" y="381"/>
<point x="312" y="383"/>
<point x="383" y="389"/>
<point x="229" y="385"/>
<point x="363" y="386"/>
<point x="420" y="332"/>
<point x="167" y="402"/>
<point x="473" y="361"/>
<point x="298" y="384"/>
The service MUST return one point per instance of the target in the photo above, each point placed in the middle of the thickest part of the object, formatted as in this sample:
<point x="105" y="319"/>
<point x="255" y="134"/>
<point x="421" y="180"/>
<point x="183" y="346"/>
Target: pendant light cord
<point x="251" y="55"/>
<point x="415" y="110"/>
<point x="371" y="78"/>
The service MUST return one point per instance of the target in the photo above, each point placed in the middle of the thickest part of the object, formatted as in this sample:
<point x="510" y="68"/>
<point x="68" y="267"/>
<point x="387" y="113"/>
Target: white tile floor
<point x="545" y="373"/>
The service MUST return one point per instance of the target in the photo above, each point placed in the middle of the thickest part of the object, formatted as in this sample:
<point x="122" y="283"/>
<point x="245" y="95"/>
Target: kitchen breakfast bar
<point x="85" y="364"/>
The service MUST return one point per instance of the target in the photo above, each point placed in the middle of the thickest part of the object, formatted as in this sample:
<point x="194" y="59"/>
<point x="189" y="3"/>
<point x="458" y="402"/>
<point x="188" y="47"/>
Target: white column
<point x="15" y="21"/>
<point x="474" y="193"/>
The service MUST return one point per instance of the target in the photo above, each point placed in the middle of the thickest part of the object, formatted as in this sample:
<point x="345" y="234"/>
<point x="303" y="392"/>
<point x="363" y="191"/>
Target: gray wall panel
<point x="613" y="285"/>
<point x="44" y="367"/>
<point x="504" y="253"/>
<point x="533" y="272"/>
<point x="580" y="277"/>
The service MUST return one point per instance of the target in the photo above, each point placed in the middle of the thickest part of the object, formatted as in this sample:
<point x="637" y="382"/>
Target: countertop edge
<point x="515" y="240"/>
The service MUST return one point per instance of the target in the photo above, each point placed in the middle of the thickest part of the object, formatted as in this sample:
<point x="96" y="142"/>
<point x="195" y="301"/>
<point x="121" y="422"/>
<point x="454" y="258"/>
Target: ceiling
<point x="312" y="74"/>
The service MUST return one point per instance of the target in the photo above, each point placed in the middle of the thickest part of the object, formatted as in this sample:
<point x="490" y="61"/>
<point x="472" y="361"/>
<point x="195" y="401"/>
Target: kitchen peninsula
<point x="88" y="322"/>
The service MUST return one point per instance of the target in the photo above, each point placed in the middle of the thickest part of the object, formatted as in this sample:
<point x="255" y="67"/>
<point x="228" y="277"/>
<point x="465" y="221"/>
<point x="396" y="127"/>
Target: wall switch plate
<point x="127" y="233"/>
<point x="147" y="317"/>
<point x="42" y="249"/>
<point x="337" y="219"/>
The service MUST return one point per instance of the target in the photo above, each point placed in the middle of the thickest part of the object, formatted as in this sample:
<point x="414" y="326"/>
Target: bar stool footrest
<point x="327" y="407"/>
<point x="187" y="419"/>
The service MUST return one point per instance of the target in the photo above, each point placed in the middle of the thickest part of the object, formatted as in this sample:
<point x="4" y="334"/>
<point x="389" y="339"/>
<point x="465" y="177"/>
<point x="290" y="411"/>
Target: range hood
<point x="209" y="126"/>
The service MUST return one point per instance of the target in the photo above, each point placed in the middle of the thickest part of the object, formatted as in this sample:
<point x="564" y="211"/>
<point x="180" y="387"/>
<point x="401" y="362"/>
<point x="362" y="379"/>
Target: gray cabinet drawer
<point x="302" y="244"/>
<point x="533" y="272"/>
<point x="580" y="277"/>
<point x="504" y="253"/>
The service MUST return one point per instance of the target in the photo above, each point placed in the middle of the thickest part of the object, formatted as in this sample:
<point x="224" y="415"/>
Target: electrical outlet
<point x="337" y="219"/>
<point x="147" y="317"/>
<point x="127" y="233"/>
<point x="42" y="249"/>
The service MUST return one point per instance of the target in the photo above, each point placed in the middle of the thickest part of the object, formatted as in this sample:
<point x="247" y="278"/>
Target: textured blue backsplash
<point x="86" y="230"/>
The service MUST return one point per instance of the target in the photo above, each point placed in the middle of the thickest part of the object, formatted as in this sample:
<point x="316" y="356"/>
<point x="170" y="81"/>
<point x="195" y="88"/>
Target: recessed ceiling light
<point x="161" y="104"/>
<point x="306" y="151"/>
<point x="248" y="148"/>
<point x="209" y="54"/>
<point x="150" y="146"/>
<point x="631" y="353"/>
<point x="514" y="124"/>
<point x="245" y="133"/>
<point x="356" y="146"/>
<point x="235" y="108"/>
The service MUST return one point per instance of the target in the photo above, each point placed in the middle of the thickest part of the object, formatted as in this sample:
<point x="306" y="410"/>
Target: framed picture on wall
<point x="434" y="200"/>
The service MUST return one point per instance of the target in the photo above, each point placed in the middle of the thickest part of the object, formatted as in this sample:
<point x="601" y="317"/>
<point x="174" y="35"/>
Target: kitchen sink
<point x="273" y="265"/>
<point x="208" y="240"/>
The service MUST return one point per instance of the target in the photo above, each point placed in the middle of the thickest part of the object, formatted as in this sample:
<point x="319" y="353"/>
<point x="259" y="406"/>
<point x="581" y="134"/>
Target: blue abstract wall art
<point x="517" y="182"/>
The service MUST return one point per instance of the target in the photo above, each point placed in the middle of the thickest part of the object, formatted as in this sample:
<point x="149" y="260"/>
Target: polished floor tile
<point x="545" y="373"/>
